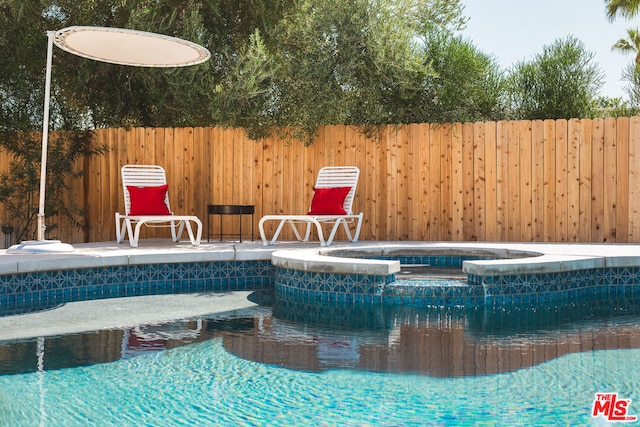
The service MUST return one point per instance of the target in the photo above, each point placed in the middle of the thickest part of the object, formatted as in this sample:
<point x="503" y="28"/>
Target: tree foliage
<point x="561" y="82"/>
<point x="631" y="44"/>
<point x="294" y="64"/>
<point x="628" y="9"/>
<point x="276" y="64"/>
<point x="468" y="85"/>
<point x="330" y="61"/>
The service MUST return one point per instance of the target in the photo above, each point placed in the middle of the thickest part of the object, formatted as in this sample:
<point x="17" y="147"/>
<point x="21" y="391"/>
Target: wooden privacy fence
<point x="553" y="180"/>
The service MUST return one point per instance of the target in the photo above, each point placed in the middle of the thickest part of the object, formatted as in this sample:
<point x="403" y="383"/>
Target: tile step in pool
<point x="427" y="272"/>
<point x="428" y="286"/>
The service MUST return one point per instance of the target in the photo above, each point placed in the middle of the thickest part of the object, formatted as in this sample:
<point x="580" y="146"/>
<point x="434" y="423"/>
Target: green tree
<point x="348" y="62"/>
<point x="631" y="74"/>
<point x="561" y="82"/>
<point x="631" y="44"/>
<point x="626" y="8"/>
<point x="468" y="85"/>
<point x="357" y="62"/>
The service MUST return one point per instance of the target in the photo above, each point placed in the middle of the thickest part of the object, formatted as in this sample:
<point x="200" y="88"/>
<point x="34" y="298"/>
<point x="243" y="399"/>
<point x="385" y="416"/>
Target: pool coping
<point x="544" y="257"/>
<point x="513" y="258"/>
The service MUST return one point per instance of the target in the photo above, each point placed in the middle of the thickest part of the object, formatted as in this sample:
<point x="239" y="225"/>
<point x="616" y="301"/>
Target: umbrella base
<point x="40" y="247"/>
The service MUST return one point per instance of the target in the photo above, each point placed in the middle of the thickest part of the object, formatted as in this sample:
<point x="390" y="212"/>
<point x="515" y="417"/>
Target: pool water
<point x="293" y="364"/>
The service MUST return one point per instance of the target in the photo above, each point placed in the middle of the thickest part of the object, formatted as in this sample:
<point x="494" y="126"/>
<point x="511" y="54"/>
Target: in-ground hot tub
<point x="496" y="274"/>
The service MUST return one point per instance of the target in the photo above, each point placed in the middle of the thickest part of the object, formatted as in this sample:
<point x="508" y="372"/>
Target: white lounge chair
<point x="332" y="201"/>
<point x="149" y="206"/>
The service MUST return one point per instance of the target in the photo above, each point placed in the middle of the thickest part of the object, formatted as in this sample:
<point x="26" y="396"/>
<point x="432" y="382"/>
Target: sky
<point x="516" y="30"/>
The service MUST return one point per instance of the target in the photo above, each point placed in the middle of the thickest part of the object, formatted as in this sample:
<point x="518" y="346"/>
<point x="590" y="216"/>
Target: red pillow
<point x="148" y="200"/>
<point x="329" y="201"/>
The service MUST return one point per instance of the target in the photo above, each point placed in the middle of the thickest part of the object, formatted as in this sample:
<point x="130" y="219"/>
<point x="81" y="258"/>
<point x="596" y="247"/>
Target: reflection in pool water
<point x="440" y="342"/>
<point x="417" y="364"/>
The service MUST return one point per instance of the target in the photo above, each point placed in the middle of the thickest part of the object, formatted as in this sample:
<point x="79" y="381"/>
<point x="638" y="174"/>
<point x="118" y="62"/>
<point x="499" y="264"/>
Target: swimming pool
<point x="295" y="364"/>
<point x="336" y="360"/>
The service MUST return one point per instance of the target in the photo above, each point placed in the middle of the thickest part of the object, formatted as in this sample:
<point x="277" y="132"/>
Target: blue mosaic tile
<point x="109" y="282"/>
<point x="74" y="285"/>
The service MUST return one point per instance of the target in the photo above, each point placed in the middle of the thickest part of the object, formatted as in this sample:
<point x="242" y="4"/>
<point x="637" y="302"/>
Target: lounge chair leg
<point x="294" y="227"/>
<point x="187" y="225"/>
<point x="320" y="233"/>
<point x="308" y="232"/>
<point x="334" y="230"/>
<point x="195" y="241"/>
<point x="136" y="235"/>
<point x="265" y="242"/>
<point x="129" y="230"/>
<point x="181" y="225"/>
<point x="277" y="233"/>
<point x="199" y="232"/>
<point x="120" y="229"/>
<point x="176" y="236"/>
<point x="356" y="234"/>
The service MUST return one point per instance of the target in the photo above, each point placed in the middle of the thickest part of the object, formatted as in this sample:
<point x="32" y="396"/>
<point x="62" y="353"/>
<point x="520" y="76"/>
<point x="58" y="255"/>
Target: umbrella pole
<point x="41" y="245"/>
<point x="45" y="137"/>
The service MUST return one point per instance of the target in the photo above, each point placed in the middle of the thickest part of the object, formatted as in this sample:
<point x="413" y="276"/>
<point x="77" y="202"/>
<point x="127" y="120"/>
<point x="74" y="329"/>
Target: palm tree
<point x="626" y="8"/>
<point x="632" y="44"/>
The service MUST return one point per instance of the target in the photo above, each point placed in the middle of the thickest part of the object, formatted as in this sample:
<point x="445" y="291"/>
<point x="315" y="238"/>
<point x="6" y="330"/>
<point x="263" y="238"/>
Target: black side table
<point x="230" y="210"/>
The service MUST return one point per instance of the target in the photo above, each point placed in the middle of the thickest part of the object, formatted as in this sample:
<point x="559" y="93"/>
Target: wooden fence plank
<point x="198" y="181"/>
<point x="526" y="192"/>
<point x="634" y="179"/>
<point x="403" y="202"/>
<point x="206" y="179"/>
<point x="513" y="184"/>
<point x="382" y="196"/>
<point x="610" y="160"/>
<point x="549" y="153"/>
<point x="597" y="181"/>
<point x="425" y="182"/>
<point x="574" y="131"/>
<point x="457" y="178"/>
<point x="258" y="179"/>
<point x="479" y="182"/>
<point x="585" y="150"/>
<point x="369" y="174"/>
<point x="537" y="178"/>
<point x="446" y="166"/>
<point x="491" y="181"/>
<point x="467" y="189"/>
<point x="622" y="180"/>
<point x="413" y="181"/>
<point x="97" y="189"/>
<point x="435" y="183"/>
<point x="502" y="180"/>
<point x="217" y="161"/>
<point x="392" y="182"/>
<point x="561" y="175"/>
<point x="228" y="154"/>
<point x="189" y="168"/>
<point x="355" y="155"/>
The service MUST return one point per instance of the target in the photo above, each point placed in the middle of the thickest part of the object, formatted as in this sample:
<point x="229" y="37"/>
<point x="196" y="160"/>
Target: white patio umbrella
<point x="116" y="46"/>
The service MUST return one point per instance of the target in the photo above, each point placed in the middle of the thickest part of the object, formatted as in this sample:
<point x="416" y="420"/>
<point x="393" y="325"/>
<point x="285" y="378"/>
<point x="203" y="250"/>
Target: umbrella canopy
<point x="129" y="47"/>
<point x="116" y="46"/>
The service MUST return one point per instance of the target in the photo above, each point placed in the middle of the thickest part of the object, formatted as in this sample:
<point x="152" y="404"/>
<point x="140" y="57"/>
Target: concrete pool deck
<point x="544" y="257"/>
<point x="123" y="312"/>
